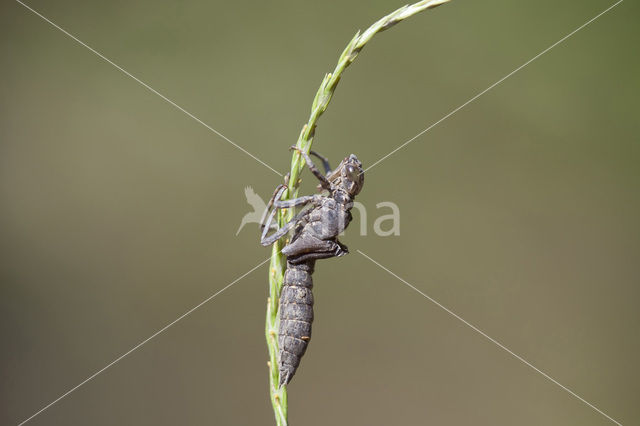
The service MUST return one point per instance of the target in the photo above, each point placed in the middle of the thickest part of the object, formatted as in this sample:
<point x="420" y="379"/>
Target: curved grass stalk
<point x="305" y="140"/>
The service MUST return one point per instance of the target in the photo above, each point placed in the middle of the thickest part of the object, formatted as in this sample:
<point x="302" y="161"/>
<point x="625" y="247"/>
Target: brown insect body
<point x="315" y="236"/>
<point x="296" y="316"/>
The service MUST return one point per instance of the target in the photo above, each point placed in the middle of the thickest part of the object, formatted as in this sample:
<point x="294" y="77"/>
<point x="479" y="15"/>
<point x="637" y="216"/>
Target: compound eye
<point x="352" y="173"/>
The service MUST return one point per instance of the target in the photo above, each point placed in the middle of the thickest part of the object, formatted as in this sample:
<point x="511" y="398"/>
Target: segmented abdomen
<point x="296" y="316"/>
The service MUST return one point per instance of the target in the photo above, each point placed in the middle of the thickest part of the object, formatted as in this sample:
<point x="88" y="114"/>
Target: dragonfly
<point x="315" y="230"/>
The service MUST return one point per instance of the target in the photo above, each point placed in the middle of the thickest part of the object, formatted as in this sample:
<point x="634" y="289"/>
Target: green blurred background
<point x="520" y="212"/>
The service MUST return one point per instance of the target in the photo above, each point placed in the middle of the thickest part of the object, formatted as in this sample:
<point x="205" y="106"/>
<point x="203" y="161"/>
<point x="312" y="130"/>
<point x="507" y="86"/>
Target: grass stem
<point x="305" y="140"/>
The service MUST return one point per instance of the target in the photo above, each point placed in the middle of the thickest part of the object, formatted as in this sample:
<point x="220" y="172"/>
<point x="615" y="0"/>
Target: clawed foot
<point x="295" y="148"/>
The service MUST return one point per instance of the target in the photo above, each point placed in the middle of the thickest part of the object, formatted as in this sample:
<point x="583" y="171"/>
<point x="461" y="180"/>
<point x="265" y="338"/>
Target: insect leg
<point x="323" y="180"/>
<point x="276" y="196"/>
<point x="282" y="205"/>
<point x="265" y="241"/>
<point x="295" y="202"/>
<point x="278" y="204"/>
<point x="309" y="247"/>
<point x="325" y="161"/>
